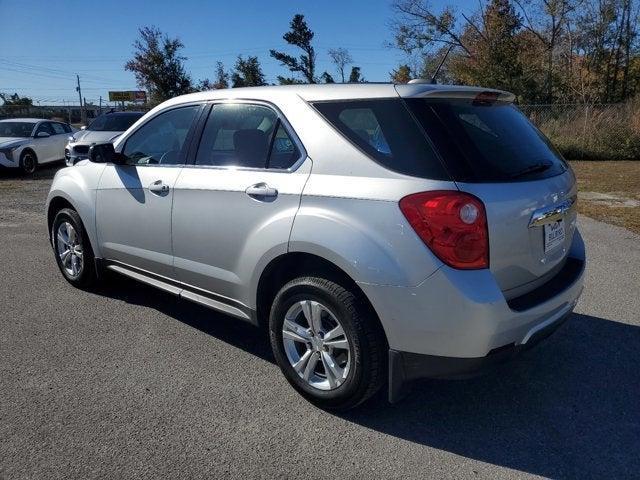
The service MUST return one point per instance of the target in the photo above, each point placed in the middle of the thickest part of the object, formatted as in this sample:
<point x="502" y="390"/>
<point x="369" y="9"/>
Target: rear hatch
<point x="492" y="151"/>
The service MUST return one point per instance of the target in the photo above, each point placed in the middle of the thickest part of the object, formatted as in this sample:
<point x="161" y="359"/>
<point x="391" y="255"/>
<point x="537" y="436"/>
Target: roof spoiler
<point x="483" y="95"/>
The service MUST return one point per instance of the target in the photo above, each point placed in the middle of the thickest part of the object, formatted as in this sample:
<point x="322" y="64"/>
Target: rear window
<point x="486" y="141"/>
<point x="385" y="130"/>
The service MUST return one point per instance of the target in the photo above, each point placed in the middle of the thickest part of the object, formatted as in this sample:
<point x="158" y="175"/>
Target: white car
<point x="105" y="128"/>
<point x="26" y="143"/>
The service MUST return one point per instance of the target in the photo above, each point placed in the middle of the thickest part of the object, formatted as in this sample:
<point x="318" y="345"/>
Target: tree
<point x="341" y="57"/>
<point x="327" y="78"/>
<point x="355" y="76"/>
<point x="222" y="77"/>
<point x="15" y="100"/>
<point x="401" y="75"/>
<point x="158" y="66"/>
<point x="247" y="73"/>
<point x="299" y="36"/>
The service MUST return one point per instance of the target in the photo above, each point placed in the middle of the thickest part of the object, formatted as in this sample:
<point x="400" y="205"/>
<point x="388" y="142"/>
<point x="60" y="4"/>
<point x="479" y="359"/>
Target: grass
<point x="609" y="191"/>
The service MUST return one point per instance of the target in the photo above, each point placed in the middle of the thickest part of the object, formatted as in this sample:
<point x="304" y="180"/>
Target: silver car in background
<point x="383" y="233"/>
<point x="104" y="128"/>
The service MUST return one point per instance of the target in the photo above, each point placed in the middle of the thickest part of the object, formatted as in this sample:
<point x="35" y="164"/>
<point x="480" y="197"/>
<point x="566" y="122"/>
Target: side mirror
<point x="42" y="135"/>
<point x="105" y="153"/>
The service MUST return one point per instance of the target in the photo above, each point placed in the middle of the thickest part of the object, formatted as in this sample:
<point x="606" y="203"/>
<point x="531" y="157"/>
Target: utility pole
<point x="100" y="104"/>
<point x="83" y="118"/>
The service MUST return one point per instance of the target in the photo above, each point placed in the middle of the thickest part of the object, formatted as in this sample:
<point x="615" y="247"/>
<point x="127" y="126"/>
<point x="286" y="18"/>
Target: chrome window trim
<point x="280" y="116"/>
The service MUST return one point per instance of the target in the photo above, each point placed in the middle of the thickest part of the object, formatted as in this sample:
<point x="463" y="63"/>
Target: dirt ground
<point x="610" y="191"/>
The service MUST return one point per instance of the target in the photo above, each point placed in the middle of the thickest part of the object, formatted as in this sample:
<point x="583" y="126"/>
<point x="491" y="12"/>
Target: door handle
<point x="159" y="187"/>
<point x="261" y="191"/>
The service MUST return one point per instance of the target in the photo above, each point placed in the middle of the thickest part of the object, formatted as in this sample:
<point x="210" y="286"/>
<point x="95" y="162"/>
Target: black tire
<point x="86" y="275"/>
<point x="28" y="162"/>
<point x="367" y="344"/>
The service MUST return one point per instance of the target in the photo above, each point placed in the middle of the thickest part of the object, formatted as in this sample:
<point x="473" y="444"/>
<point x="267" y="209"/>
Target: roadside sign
<point x="128" y="96"/>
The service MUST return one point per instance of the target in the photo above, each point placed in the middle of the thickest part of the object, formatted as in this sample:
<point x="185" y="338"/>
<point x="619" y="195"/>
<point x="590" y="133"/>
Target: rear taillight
<point x="452" y="224"/>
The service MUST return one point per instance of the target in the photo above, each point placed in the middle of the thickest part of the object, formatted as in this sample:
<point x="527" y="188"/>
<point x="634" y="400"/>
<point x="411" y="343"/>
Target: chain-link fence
<point x="596" y="131"/>
<point x="64" y="113"/>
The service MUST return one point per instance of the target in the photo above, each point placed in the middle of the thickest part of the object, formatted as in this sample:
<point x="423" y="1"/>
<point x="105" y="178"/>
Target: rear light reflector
<point x="452" y="224"/>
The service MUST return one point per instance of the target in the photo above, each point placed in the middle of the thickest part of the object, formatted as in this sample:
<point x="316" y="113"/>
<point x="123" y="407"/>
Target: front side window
<point x="58" y="128"/>
<point x="385" y="130"/>
<point x="45" y="127"/>
<point x="245" y="135"/>
<point x="162" y="139"/>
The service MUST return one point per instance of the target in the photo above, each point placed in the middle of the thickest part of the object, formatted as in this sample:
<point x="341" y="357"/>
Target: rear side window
<point x="245" y="135"/>
<point x="486" y="141"/>
<point x="385" y="130"/>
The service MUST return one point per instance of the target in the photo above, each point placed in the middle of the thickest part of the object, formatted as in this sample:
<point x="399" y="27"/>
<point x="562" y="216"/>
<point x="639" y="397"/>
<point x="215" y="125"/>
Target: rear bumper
<point x="455" y="323"/>
<point x="405" y="367"/>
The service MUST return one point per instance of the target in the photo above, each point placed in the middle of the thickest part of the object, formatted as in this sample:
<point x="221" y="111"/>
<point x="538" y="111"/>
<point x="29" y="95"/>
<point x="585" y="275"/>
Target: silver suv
<point x="383" y="233"/>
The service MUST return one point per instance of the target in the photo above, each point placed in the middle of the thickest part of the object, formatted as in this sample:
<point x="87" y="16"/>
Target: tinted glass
<point x="45" y="127"/>
<point x="385" y="130"/>
<point x="115" y="122"/>
<point x="284" y="152"/>
<point x="487" y="141"/>
<point x="237" y="135"/>
<point x="162" y="139"/>
<point x="16" y="129"/>
<point x="58" y="128"/>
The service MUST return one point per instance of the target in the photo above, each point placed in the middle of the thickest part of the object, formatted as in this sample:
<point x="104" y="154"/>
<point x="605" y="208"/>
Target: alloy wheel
<point x="69" y="247"/>
<point x="316" y="345"/>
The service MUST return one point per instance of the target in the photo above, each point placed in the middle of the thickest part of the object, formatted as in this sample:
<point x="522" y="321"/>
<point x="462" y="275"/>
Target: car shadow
<point x="569" y="408"/>
<point x="231" y="330"/>
<point x="44" y="172"/>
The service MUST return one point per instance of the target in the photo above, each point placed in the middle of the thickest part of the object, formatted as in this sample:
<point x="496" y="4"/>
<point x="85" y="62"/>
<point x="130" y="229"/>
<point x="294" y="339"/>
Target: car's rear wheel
<point x="28" y="162"/>
<point x="72" y="249"/>
<point x="327" y="343"/>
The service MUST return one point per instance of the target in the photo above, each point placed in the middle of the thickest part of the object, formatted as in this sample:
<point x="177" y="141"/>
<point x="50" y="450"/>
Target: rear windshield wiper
<point x="535" y="168"/>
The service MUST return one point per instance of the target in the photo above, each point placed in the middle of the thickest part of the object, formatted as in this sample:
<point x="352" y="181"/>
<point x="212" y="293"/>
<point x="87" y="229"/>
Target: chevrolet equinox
<point x="382" y="233"/>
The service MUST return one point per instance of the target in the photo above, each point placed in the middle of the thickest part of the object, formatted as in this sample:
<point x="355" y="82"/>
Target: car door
<point x="45" y="146"/>
<point x="234" y="206"/>
<point x="58" y="140"/>
<point x="133" y="202"/>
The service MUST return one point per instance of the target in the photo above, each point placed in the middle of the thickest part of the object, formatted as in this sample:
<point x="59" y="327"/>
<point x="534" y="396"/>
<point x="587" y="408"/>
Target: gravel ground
<point x="130" y="382"/>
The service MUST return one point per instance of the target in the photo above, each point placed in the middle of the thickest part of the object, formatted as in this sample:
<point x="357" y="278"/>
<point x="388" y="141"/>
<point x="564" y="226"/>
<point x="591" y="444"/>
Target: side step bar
<point x="207" y="299"/>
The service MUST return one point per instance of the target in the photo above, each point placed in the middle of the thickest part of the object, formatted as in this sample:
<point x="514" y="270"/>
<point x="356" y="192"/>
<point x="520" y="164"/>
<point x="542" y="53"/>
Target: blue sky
<point x="43" y="44"/>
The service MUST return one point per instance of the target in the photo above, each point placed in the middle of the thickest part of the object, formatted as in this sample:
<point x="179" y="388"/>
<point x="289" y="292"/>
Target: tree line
<point x="544" y="51"/>
<point x="159" y="67"/>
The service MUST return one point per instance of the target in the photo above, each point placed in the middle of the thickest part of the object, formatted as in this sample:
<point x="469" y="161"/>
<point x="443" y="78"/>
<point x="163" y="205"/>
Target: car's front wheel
<point x="327" y="342"/>
<point x="28" y="162"/>
<point x="72" y="249"/>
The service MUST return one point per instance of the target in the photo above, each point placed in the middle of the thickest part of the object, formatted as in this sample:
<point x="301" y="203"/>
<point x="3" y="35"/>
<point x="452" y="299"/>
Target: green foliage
<point x="355" y="76"/>
<point x="15" y="100"/>
<point x="158" y="66"/>
<point x="327" y="78"/>
<point x="401" y="75"/>
<point x="299" y="35"/>
<point x="247" y="73"/>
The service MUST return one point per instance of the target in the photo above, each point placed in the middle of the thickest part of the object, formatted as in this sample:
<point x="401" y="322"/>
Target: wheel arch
<point x="29" y="150"/>
<point x="291" y="265"/>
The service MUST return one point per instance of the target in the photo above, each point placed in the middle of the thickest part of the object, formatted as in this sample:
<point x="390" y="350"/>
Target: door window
<point x="45" y="127"/>
<point x="245" y="135"/>
<point x="162" y="139"/>
<point x="58" y="128"/>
